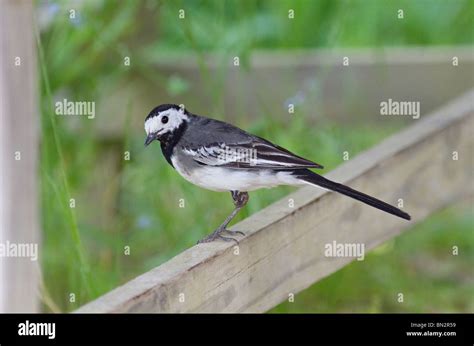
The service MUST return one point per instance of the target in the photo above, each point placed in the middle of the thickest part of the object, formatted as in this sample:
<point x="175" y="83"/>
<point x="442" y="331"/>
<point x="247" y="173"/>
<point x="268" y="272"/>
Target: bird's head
<point x="163" y="121"/>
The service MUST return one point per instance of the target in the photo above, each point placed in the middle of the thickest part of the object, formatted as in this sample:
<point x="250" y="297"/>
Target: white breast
<point x="226" y="179"/>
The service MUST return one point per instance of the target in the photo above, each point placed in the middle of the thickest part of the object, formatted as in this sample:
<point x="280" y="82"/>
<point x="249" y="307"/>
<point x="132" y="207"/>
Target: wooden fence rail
<point x="428" y="165"/>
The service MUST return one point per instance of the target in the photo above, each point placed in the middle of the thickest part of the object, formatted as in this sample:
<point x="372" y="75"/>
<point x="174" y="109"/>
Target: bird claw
<point x="234" y="232"/>
<point x="217" y="235"/>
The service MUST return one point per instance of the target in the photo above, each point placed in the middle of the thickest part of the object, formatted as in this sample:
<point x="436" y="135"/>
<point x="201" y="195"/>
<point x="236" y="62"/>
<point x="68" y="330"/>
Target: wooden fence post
<point x="19" y="114"/>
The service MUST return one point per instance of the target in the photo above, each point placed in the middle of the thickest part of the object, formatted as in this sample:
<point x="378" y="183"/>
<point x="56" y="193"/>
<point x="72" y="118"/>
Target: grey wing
<point x="256" y="154"/>
<point x="226" y="145"/>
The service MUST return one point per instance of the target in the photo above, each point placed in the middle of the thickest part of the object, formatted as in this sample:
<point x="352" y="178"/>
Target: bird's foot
<point x="217" y="235"/>
<point x="234" y="232"/>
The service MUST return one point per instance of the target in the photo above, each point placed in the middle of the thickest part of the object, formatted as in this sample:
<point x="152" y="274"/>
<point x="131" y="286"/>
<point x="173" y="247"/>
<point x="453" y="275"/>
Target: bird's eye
<point x="164" y="119"/>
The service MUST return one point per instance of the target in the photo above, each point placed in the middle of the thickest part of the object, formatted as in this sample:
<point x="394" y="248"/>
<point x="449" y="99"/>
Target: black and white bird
<point x="221" y="157"/>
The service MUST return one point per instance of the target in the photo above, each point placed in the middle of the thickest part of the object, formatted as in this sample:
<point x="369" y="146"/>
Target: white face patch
<point x="175" y="118"/>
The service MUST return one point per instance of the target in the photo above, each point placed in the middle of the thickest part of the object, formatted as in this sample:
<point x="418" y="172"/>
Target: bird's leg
<point x="240" y="200"/>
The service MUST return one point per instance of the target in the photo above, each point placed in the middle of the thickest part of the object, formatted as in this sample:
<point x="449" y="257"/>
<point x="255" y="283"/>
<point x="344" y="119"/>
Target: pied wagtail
<point x="221" y="157"/>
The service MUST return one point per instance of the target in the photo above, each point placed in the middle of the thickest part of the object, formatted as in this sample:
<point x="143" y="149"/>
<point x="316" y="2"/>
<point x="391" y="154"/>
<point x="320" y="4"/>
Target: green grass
<point x="135" y="203"/>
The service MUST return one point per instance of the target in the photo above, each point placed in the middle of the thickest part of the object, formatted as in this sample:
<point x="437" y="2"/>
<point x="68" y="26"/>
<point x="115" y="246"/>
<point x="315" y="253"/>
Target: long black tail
<point x="315" y="179"/>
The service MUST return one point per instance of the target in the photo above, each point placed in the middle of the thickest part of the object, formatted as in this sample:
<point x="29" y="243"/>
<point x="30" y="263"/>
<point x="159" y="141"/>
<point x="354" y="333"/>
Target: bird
<point x="218" y="156"/>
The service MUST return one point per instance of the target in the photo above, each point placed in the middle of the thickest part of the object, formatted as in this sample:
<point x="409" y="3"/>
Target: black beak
<point x="150" y="138"/>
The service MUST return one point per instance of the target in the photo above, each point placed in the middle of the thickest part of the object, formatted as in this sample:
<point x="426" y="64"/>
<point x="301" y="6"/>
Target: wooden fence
<point x="19" y="143"/>
<point x="428" y="166"/>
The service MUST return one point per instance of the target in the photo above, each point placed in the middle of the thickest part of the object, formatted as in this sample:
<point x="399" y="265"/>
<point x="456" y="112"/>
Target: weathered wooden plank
<point x="18" y="156"/>
<point x="330" y="56"/>
<point x="284" y="250"/>
<point x="314" y="80"/>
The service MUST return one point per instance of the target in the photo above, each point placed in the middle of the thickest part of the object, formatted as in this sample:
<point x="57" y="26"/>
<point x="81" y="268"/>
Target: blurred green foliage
<point x="134" y="203"/>
<point x="221" y="25"/>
